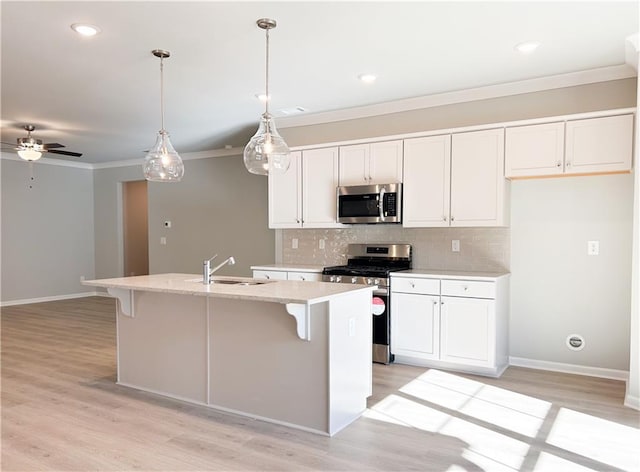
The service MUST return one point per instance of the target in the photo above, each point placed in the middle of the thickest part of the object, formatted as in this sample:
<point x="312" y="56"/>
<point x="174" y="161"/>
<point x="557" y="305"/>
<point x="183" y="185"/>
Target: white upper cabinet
<point x="285" y="203"/>
<point x="478" y="187"/>
<point x="305" y="195"/>
<point x="374" y="163"/>
<point x="427" y="181"/>
<point x="534" y="150"/>
<point x="586" y="146"/>
<point x="599" y="145"/>
<point x="455" y="180"/>
<point x="319" y="182"/>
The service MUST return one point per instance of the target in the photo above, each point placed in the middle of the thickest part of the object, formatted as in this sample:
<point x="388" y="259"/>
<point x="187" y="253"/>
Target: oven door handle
<point x="381" y="204"/>
<point x="381" y="291"/>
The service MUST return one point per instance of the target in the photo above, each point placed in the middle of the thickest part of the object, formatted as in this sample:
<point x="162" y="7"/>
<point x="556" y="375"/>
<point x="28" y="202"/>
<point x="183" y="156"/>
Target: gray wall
<point x="47" y="230"/>
<point x="570" y="292"/>
<point x="556" y="288"/>
<point x="217" y="208"/>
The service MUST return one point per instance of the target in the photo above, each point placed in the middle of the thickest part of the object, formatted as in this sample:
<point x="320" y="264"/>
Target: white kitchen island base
<point x="245" y="356"/>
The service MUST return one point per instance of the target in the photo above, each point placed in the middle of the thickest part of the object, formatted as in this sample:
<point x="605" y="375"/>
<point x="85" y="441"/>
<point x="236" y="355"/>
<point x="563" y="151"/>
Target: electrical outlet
<point x="593" y="248"/>
<point x="163" y="241"/>
<point x="294" y="243"/>
<point x="321" y="244"/>
<point x="455" y="245"/>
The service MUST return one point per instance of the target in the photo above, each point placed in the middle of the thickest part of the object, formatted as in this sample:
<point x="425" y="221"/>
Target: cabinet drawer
<point x="415" y="285"/>
<point x="305" y="276"/>
<point x="270" y="274"/>
<point x="469" y="288"/>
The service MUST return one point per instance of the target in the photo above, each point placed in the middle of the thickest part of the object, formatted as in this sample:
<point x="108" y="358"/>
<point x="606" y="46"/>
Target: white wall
<point x="47" y="230"/>
<point x="556" y="288"/>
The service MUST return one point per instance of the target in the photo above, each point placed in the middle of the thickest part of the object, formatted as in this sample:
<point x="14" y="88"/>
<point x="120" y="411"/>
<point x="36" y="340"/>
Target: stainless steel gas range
<point x="371" y="264"/>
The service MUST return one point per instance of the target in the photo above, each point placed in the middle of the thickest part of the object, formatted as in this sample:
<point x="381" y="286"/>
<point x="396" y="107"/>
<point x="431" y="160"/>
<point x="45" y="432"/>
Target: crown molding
<point x="603" y="74"/>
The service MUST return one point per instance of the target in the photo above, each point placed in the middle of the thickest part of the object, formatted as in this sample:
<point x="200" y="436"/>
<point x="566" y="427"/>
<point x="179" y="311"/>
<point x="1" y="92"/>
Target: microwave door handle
<point x="381" y="204"/>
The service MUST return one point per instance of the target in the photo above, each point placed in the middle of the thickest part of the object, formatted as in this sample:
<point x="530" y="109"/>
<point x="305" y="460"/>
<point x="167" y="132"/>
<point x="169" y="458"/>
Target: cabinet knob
<point x="568" y="164"/>
<point x="465" y="288"/>
<point x="441" y="303"/>
<point x="413" y="285"/>
<point x="444" y="218"/>
<point x="452" y="218"/>
<point x="267" y="276"/>
<point x="303" y="279"/>
<point x="435" y="302"/>
<point x="559" y="164"/>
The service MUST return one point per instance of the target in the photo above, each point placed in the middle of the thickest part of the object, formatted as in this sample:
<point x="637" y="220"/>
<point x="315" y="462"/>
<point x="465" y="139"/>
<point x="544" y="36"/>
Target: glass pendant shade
<point x="29" y="154"/>
<point x="163" y="164"/>
<point x="266" y="151"/>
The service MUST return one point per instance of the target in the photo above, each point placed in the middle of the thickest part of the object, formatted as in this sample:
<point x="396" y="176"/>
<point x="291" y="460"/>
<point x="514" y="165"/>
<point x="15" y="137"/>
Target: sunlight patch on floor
<point x="488" y="449"/>
<point x="550" y="463"/>
<point x="601" y="440"/>
<point x="513" y="411"/>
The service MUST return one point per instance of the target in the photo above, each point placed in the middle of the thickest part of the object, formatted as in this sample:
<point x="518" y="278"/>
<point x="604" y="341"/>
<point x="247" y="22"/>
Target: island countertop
<point x="278" y="291"/>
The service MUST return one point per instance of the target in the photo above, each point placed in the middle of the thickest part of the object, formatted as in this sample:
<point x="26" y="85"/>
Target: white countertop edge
<point x="290" y="267"/>
<point x="161" y="283"/>
<point x="450" y="274"/>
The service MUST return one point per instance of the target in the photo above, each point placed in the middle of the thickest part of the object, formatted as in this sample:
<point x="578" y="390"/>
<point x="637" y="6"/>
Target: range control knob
<point x="339" y="278"/>
<point x="332" y="278"/>
<point x="369" y="281"/>
<point x="354" y="280"/>
<point x="376" y="282"/>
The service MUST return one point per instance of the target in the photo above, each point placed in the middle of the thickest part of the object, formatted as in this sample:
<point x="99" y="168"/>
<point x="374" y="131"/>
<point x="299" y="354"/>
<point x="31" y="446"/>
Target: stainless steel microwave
<point x="370" y="203"/>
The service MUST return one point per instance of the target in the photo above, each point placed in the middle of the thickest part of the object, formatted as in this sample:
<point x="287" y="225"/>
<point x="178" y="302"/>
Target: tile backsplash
<point x="481" y="249"/>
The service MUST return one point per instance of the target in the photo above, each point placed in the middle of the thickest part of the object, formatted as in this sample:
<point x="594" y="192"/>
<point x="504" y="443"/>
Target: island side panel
<point x="163" y="348"/>
<point x="261" y="367"/>
<point x="350" y="358"/>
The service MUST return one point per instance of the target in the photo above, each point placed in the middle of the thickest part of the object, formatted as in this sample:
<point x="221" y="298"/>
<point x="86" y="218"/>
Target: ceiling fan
<point x="31" y="149"/>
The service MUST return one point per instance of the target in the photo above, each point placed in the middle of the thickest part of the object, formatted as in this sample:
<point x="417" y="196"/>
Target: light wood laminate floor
<point x="61" y="410"/>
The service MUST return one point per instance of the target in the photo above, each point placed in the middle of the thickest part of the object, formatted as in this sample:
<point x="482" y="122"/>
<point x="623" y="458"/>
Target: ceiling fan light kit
<point x="266" y="151"/>
<point x="162" y="163"/>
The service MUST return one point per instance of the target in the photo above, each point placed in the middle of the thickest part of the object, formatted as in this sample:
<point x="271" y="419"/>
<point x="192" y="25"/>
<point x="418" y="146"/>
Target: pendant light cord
<point x="267" y="98"/>
<point x="161" y="94"/>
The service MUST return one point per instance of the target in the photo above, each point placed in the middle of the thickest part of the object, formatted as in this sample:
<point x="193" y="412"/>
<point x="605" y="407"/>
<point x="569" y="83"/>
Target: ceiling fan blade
<point x="64" y="153"/>
<point x="53" y="145"/>
<point x="8" y="144"/>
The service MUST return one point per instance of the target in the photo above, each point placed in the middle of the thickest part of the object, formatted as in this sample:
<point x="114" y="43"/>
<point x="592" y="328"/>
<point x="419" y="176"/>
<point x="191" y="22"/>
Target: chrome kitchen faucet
<point x="207" y="271"/>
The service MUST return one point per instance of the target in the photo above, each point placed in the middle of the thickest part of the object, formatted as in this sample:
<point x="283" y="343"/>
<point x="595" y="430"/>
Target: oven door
<point x="381" y="327"/>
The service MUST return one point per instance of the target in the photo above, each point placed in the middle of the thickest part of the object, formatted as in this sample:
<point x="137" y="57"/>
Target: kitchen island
<point x="290" y="352"/>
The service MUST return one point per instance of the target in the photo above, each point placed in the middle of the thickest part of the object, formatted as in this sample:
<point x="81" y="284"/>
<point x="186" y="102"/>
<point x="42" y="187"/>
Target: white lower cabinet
<point x="275" y="274"/>
<point x="454" y="324"/>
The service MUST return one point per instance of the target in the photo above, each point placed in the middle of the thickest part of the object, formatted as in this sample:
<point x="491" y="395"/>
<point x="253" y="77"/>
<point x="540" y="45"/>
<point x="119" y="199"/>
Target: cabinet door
<point x="270" y="274"/>
<point x="534" y="150"/>
<point x="467" y="331"/>
<point x="477" y="179"/>
<point x="285" y="196"/>
<point x="415" y="324"/>
<point x="354" y="165"/>
<point x="385" y="162"/>
<point x="305" y="276"/>
<point x="427" y="174"/>
<point x="319" y="182"/>
<point x="599" y="144"/>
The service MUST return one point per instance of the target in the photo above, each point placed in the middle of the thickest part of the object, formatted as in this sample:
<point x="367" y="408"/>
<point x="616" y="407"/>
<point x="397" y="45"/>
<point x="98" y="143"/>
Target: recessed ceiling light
<point x="367" y="78"/>
<point x="527" y="47"/>
<point x="84" y="29"/>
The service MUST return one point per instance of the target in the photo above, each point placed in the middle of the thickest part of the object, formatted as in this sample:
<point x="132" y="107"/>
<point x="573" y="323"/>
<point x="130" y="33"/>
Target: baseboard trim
<point x="26" y="301"/>
<point x="632" y="402"/>
<point x="570" y="368"/>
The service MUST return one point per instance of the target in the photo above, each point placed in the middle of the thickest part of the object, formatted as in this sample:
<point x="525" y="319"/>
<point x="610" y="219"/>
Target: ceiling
<point x="100" y="96"/>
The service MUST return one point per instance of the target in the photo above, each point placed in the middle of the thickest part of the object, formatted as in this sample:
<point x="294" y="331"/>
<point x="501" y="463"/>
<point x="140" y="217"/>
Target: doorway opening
<point x="135" y="228"/>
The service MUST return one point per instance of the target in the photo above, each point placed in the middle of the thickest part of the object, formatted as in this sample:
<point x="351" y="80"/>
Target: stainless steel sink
<point x="239" y="282"/>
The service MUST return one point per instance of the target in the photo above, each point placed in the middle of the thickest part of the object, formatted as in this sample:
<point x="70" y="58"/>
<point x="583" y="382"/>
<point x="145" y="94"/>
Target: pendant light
<point x="266" y="151"/>
<point x="162" y="164"/>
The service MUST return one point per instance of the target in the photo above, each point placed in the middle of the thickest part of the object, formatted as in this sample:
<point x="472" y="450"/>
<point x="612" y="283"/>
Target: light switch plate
<point x="593" y="248"/>
<point x="294" y="243"/>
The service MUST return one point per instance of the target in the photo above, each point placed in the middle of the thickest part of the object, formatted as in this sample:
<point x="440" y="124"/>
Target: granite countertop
<point x="450" y="274"/>
<point x="290" y="267"/>
<point x="279" y="291"/>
